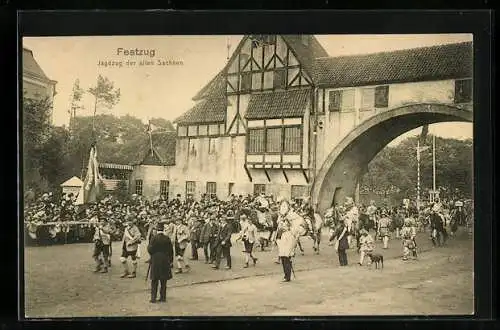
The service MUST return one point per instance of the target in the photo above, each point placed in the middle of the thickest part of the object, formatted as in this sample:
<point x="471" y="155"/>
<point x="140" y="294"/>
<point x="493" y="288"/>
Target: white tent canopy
<point x="73" y="182"/>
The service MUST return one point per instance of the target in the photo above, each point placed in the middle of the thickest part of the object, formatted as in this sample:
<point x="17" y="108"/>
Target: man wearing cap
<point x="195" y="232"/>
<point x="223" y="244"/>
<point x="181" y="236"/>
<point x="248" y="235"/>
<point x="383" y="228"/>
<point x="162" y="259"/>
<point x="130" y="244"/>
<point x="208" y="231"/>
<point x="102" y="240"/>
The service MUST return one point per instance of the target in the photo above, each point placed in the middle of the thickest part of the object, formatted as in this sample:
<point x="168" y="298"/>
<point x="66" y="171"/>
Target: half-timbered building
<point x="267" y="121"/>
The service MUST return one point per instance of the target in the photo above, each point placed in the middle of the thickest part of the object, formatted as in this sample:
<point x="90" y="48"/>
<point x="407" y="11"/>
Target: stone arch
<point x="341" y="169"/>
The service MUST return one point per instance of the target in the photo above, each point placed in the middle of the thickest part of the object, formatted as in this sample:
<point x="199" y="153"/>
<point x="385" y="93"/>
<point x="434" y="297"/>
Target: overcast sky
<point x="166" y="90"/>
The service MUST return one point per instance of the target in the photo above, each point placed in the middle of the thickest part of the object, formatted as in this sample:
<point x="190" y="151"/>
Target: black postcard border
<point x="65" y="23"/>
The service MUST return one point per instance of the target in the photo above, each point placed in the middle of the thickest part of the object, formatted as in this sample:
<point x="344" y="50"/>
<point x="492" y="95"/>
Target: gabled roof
<point x="31" y="67"/>
<point x="451" y="61"/>
<point x="209" y="110"/>
<point x="215" y="88"/>
<point x="164" y="145"/>
<point x="306" y="53"/>
<point x="278" y="104"/>
<point x="73" y="182"/>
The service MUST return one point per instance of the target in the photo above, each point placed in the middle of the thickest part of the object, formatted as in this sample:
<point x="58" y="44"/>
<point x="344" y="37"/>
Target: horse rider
<point x="130" y="244"/>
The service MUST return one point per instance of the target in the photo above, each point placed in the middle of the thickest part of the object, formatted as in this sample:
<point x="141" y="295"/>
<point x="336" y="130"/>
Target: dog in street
<point x="376" y="259"/>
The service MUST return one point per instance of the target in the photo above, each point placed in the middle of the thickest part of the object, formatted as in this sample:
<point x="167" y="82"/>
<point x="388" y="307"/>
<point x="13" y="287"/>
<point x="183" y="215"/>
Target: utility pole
<point x="418" y="176"/>
<point x="434" y="168"/>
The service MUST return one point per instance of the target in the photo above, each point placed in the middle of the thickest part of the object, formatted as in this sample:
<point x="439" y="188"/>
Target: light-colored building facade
<point x="268" y="120"/>
<point x="36" y="84"/>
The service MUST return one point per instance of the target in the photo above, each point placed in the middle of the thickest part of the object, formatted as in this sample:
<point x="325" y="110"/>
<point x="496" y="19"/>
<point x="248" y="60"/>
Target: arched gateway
<point x="339" y="173"/>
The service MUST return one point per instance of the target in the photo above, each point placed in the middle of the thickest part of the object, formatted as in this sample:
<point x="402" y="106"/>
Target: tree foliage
<point x="394" y="170"/>
<point x="104" y="93"/>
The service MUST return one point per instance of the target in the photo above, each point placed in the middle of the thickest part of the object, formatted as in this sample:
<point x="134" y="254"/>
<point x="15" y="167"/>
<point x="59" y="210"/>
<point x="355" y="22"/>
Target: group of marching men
<point x="168" y="238"/>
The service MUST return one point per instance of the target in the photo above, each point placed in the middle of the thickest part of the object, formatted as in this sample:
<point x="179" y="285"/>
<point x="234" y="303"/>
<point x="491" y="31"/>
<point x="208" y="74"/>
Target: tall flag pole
<point x="150" y="133"/>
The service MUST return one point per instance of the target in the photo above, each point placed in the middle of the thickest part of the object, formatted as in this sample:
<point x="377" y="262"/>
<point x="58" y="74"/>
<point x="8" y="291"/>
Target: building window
<point x="279" y="78"/>
<point x="305" y="40"/>
<point x="164" y="188"/>
<point x="190" y="188"/>
<point x="463" y="90"/>
<point x="335" y="98"/>
<point x="182" y="130"/>
<point x="259" y="189"/>
<point x="273" y="143"/>
<point x="230" y="188"/>
<point x="256" y="141"/>
<point x="138" y="187"/>
<point x="246" y="81"/>
<point x="293" y="140"/>
<point x="381" y="97"/>
<point x="367" y="98"/>
<point x="299" y="192"/>
<point x="263" y="39"/>
<point x="211" y="189"/>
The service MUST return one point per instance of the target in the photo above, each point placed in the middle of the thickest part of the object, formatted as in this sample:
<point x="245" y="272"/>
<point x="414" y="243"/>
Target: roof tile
<point x="451" y="61"/>
<point x="208" y="110"/>
<point x="278" y="104"/>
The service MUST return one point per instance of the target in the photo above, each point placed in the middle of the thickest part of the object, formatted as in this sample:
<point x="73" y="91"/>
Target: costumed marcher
<point x="195" y="233"/>
<point x="350" y="219"/>
<point x="367" y="245"/>
<point x="458" y="217"/>
<point x="248" y="235"/>
<point x="383" y="228"/>
<point x="342" y="243"/>
<point x="102" y="241"/>
<point x="290" y="227"/>
<point x="181" y="236"/>
<point x="130" y="243"/>
<point x="438" y="231"/>
<point x="162" y="259"/>
<point x="398" y="221"/>
<point x="223" y="244"/>
<point x="205" y="235"/>
<point x="408" y="234"/>
<point x="371" y="211"/>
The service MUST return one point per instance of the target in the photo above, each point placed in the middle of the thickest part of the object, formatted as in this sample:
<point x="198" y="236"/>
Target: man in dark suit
<point x="223" y="243"/>
<point x="162" y="260"/>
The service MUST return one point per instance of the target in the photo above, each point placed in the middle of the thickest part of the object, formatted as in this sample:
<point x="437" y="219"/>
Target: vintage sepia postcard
<point x="248" y="175"/>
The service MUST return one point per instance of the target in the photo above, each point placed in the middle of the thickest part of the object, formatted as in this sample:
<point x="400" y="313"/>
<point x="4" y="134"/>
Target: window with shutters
<point x="381" y="96"/>
<point x="138" y="187"/>
<point x="164" y="188"/>
<point x="190" y="188"/>
<point x="293" y="140"/>
<point x="211" y="189"/>
<point x="230" y="188"/>
<point x="246" y="81"/>
<point x="335" y="98"/>
<point x="256" y="141"/>
<point x="259" y="189"/>
<point x="463" y="90"/>
<point x="279" y="78"/>
<point x="367" y="98"/>
<point x="273" y="143"/>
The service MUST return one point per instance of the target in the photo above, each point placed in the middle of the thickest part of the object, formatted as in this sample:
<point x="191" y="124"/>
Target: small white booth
<point x="72" y="185"/>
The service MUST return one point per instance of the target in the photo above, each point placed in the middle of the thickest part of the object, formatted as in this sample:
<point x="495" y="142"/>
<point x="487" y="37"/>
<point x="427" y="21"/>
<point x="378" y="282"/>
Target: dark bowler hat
<point x="160" y="226"/>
